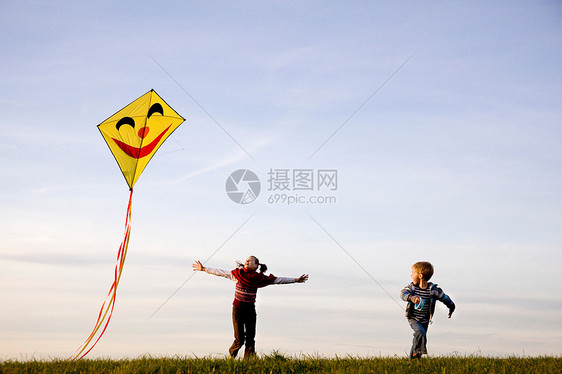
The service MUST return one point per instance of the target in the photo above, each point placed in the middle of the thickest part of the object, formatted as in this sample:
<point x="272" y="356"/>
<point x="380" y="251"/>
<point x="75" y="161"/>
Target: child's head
<point x="252" y="263"/>
<point x="423" y="270"/>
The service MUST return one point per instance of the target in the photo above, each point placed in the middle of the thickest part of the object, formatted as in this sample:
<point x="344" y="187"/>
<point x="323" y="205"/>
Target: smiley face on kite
<point x="141" y="150"/>
<point x="136" y="132"/>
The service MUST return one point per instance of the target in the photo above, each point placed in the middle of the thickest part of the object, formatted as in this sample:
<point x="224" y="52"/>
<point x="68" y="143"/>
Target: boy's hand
<point x="450" y="313"/>
<point x="415" y="299"/>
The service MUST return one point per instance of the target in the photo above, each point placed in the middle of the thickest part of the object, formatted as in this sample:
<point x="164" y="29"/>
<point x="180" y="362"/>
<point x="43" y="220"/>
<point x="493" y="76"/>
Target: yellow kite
<point x="133" y="134"/>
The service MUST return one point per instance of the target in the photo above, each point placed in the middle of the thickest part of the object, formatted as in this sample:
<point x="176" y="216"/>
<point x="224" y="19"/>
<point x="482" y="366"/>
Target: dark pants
<point x="419" y="343"/>
<point x="244" y="322"/>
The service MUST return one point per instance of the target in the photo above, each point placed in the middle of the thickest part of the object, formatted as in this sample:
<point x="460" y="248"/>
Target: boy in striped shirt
<point x="421" y="295"/>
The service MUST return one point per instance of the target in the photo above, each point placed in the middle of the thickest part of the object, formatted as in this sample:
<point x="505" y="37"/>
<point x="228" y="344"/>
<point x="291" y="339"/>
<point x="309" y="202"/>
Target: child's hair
<point x="424" y="268"/>
<point x="262" y="267"/>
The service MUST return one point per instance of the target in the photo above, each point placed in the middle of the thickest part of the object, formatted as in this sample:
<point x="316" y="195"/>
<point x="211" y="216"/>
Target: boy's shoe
<point x="415" y="356"/>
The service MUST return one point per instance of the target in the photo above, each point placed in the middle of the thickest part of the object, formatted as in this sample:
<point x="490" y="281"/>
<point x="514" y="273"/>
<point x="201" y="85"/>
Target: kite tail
<point x="106" y="310"/>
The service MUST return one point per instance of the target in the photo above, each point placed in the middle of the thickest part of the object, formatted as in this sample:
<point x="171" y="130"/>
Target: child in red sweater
<point x="248" y="280"/>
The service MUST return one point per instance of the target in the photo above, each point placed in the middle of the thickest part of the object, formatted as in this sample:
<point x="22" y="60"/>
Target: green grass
<point x="277" y="363"/>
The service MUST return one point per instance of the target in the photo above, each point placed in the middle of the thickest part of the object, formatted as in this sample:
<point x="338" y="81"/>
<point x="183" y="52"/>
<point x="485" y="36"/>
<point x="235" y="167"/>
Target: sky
<point x="430" y="131"/>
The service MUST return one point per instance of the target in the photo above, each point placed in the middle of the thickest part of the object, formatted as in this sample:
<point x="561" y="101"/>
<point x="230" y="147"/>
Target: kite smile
<point x="141" y="152"/>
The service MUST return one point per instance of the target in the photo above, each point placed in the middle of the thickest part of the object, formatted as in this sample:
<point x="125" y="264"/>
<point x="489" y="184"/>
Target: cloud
<point x="230" y="159"/>
<point x="53" y="258"/>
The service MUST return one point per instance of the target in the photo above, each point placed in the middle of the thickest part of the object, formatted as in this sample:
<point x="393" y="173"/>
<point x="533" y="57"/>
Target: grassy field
<point x="277" y="363"/>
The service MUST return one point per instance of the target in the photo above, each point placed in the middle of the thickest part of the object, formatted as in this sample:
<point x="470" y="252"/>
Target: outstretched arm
<point x="198" y="266"/>
<point x="283" y="280"/>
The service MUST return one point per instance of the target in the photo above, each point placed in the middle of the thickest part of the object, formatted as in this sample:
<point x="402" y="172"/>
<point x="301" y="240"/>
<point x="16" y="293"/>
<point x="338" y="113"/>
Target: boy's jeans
<point x="419" y="342"/>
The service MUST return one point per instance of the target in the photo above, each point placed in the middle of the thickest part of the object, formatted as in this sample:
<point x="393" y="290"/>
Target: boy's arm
<point x="406" y="294"/>
<point x="445" y="299"/>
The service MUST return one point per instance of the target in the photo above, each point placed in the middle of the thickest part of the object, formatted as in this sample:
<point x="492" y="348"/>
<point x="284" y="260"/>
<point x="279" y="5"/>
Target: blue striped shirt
<point x="421" y="310"/>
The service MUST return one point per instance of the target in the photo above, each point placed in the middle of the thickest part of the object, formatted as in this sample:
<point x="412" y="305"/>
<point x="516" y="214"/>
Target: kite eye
<point x="125" y="121"/>
<point x="155" y="108"/>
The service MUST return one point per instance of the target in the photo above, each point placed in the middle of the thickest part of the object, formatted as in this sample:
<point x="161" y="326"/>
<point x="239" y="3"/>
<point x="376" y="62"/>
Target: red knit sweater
<point x="247" y="284"/>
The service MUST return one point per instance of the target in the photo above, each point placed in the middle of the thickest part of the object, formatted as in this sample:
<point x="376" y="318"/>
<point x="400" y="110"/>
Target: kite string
<point x="106" y="310"/>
